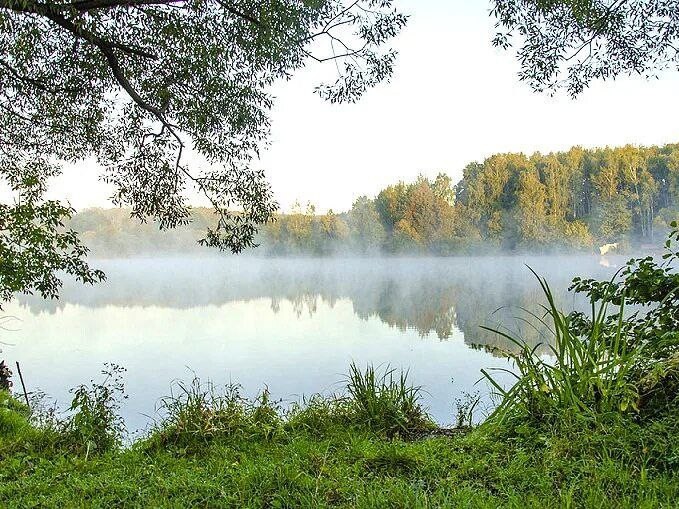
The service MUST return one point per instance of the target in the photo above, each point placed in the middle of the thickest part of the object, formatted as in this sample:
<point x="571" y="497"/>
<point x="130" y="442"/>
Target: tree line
<point x="573" y="200"/>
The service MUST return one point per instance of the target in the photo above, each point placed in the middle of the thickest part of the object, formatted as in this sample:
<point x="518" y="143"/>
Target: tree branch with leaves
<point x="149" y="87"/>
<point x="570" y="43"/>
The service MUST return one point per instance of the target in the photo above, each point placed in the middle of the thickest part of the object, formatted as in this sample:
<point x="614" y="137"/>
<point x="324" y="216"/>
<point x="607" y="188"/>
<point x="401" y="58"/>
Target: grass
<point x="348" y="467"/>
<point x="587" y="373"/>
<point x="217" y="449"/>
<point x="386" y="402"/>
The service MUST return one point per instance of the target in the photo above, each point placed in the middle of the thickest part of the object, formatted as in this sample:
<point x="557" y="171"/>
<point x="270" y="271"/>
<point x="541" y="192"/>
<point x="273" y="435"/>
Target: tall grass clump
<point x="386" y="402"/>
<point x="383" y="402"/>
<point x="651" y="285"/>
<point x="197" y="412"/>
<point x="609" y="362"/>
<point x="587" y="371"/>
<point x="319" y="414"/>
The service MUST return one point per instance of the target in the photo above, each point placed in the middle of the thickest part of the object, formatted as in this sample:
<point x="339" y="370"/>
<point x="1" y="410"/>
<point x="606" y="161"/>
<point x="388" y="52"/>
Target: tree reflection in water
<point x="430" y="295"/>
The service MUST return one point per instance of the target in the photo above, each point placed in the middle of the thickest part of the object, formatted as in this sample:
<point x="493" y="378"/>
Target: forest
<point x="562" y="201"/>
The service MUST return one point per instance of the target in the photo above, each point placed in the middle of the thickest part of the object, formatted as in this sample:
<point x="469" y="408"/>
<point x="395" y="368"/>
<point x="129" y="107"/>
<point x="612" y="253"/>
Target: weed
<point x="95" y="425"/>
<point x="464" y="409"/>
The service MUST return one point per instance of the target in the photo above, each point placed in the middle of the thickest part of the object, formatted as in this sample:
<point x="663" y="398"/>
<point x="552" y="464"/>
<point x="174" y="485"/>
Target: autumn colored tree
<point x="570" y="200"/>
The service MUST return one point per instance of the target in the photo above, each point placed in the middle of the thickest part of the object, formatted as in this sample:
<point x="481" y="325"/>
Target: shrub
<point x="607" y="362"/>
<point x="653" y="288"/>
<point x="95" y="425"/>
<point x="379" y="402"/>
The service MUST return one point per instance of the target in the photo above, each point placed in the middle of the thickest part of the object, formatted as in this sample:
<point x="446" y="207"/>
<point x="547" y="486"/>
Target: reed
<point x="585" y="373"/>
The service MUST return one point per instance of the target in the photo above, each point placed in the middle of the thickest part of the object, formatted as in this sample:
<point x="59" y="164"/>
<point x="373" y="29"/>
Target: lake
<point x="292" y="325"/>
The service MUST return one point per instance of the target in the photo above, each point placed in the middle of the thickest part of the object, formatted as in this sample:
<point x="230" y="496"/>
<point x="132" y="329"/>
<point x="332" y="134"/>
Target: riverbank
<point x="327" y="454"/>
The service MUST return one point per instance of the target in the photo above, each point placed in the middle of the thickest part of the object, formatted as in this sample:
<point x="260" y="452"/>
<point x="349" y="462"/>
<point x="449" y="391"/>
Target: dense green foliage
<point x="650" y="335"/>
<point x="219" y="450"/>
<point x="575" y="200"/>
<point x="385" y="402"/>
<point x="569" y="200"/>
<point x="138" y="86"/>
<point x="608" y="362"/>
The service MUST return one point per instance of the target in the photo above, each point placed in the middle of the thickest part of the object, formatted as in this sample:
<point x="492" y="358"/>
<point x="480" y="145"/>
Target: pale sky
<point x="453" y="99"/>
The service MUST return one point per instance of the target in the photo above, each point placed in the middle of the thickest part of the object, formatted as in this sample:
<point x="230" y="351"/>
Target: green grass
<point x="352" y="468"/>
<point x="588" y="373"/>
<point x="216" y="449"/>
<point x="386" y="402"/>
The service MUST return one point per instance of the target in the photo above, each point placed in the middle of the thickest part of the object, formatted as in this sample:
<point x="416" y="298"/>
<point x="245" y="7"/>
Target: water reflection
<point x="428" y="295"/>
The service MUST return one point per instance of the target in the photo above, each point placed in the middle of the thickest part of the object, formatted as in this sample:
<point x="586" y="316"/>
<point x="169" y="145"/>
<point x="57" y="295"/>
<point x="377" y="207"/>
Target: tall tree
<point x="140" y="84"/>
<point x="334" y="233"/>
<point x="533" y="198"/>
<point x="391" y="204"/>
<point x="365" y="226"/>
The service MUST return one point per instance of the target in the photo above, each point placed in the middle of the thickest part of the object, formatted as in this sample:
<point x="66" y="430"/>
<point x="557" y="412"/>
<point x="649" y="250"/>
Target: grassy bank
<point x="216" y="449"/>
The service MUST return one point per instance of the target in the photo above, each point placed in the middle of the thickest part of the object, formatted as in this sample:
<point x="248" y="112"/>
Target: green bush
<point x="381" y="403"/>
<point x="653" y="288"/>
<point x="95" y="425"/>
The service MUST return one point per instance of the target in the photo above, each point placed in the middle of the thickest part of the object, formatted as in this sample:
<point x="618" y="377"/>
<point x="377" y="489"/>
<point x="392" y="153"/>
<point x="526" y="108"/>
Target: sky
<point x="453" y="99"/>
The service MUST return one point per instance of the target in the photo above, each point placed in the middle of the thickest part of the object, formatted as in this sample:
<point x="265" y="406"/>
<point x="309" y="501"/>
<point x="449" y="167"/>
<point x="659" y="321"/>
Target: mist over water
<point x="293" y="325"/>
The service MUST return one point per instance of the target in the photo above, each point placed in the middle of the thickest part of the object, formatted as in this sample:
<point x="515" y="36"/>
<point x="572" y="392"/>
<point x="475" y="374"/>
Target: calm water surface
<point x="293" y="325"/>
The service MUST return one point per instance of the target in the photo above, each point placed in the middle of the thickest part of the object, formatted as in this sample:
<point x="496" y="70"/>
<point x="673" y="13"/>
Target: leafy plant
<point x="587" y="373"/>
<point x="652" y="286"/>
<point x="96" y="424"/>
